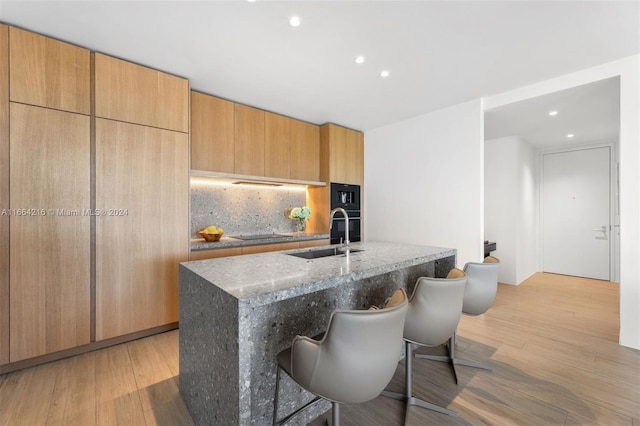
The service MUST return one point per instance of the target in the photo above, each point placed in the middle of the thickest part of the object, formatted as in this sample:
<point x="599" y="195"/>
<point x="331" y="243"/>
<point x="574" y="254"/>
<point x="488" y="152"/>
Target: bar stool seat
<point x="435" y="308"/>
<point x="351" y="363"/>
<point x="479" y="294"/>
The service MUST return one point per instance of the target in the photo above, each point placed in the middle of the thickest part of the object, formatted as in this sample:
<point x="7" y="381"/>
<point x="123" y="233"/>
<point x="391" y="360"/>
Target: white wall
<point x="511" y="206"/>
<point x="500" y="210"/>
<point x="629" y="71"/>
<point x="528" y="240"/>
<point x="424" y="181"/>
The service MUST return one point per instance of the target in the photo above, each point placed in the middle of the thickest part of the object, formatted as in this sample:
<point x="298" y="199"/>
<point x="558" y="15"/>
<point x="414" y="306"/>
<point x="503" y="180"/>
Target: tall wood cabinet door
<point x="142" y="182"/>
<point x="141" y="95"/>
<point x="277" y="151"/>
<point x="305" y="151"/>
<point x="49" y="73"/>
<point x="354" y="157"/>
<point x="212" y="133"/>
<point x="249" y="141"/>
<point x="50" y="248"/>
<point x="338" y="159"/>
<point x="4" y="194"/>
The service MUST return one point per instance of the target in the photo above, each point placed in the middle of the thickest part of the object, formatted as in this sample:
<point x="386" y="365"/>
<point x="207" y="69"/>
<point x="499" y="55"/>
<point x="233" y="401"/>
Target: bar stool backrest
<point x="356" y="358"/>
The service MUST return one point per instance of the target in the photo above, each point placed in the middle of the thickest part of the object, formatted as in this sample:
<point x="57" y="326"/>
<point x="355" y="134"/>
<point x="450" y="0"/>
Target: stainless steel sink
<point x="314" y="254"/>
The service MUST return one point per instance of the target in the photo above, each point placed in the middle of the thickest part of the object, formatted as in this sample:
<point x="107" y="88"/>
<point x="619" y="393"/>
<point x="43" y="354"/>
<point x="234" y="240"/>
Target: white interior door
<point x="576" y="213"/>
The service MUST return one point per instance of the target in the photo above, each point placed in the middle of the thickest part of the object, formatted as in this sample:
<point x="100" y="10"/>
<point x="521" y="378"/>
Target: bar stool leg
<point x="411" y="400"/>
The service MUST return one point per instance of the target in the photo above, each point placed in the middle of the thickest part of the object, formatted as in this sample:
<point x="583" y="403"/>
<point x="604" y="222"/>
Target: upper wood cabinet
<point x="4" y="194"/>
<point x="49" y="73"/>
<point x="355" y="157"/>
<point x="50" y="245"/>
<point x="142" y="173"/>
<point x="305" y="151"/>
<point x="277" y="143"/>
<point x="212" y="133"/>
<point x="345" y="150"/>
<point x="335" y="137"/>
<point x="136" y="94"/>
<point x="249" y="141"/>
<point x="238" y="139"/>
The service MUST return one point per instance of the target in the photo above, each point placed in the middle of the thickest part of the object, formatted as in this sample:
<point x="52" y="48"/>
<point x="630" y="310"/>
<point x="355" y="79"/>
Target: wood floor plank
<point x="114" y="374"/>
<point x="85" y="417"/>
<point x="548" y="392"/>
<point x="171" y="413"/>
<point x="74" y="393"/>
<point x="154" y="379"/>
<point x="167" y="345"/>
<point x="125" y="410"/>
<point x="588" y="388"/>
<point x="495" y="406"/>
<point x="26" y="395"/>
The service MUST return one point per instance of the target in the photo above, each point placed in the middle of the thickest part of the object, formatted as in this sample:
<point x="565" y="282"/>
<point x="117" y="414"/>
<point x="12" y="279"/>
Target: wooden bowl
<point x="210" y="237"/>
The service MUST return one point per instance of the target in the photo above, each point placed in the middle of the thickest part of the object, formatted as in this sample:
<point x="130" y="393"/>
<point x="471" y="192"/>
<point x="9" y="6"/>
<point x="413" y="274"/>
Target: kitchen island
<point x="237" y="313"/>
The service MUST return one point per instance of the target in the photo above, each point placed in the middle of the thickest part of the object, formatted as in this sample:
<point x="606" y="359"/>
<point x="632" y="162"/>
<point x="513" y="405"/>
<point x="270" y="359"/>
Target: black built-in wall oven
<point x="348" y="197"/>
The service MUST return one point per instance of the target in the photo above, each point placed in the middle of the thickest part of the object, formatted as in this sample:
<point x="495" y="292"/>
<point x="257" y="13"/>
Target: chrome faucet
<point x="345" y="247"/>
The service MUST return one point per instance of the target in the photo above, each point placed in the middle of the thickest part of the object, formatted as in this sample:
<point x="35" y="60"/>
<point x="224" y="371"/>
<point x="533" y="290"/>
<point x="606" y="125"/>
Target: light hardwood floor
<point x="552" y="344"/>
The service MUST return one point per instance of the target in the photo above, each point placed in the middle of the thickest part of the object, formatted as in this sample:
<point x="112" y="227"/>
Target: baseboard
<point x="55" y="356"/>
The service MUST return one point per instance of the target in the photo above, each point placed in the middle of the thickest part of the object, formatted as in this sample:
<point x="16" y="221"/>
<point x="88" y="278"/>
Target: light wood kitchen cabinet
<point x="314" y="243"/>
<point x="215" y="253"/>
<point x="135" y="94"/>
<point x="238" y="139"/>
<point x="49" y="73"/>
<point x="264" y="248"/>
<point x="305" y="151"/>
<point x="212" y="133"/>
<point x="341" y="161"/>
<point x="345" y="152"/>
<point x="355" y="157"/>
<point x="249" y="141"/>
<point x="142" y="183"/>
<point x="277" y="152"/>
<point x="4" y="194"/>
<point x="50" y="237"/>
<point x="336" y="139"/>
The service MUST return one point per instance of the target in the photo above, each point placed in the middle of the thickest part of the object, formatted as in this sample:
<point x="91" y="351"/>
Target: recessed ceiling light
<point x="251" y="1"/>
<point x="553" y="113"/>
<point x="360" y="59"/>
<point x="570" y="135"/>
<point x="295" y="21"/>
<point x="384" y="74"/>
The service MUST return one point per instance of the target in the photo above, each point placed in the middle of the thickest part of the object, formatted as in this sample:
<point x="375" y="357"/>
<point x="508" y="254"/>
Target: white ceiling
<point x="439" y="53"/>
<point x="590" y="112"/>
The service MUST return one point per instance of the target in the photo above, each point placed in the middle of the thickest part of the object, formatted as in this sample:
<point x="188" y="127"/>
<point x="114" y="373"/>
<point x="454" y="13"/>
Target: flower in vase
<point x="301" y="214"/>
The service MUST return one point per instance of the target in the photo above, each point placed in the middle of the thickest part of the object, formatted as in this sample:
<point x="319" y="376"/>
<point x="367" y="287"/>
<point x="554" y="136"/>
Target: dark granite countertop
<point x="262" y="278"/>
<point x="228" y="242"/>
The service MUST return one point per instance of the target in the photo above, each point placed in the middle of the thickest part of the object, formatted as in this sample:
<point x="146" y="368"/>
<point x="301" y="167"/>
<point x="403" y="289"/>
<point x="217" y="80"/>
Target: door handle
<point x="603" y="228"/>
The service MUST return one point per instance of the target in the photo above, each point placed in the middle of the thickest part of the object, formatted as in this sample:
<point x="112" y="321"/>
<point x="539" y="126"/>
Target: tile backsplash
<point x="243" y="210"/>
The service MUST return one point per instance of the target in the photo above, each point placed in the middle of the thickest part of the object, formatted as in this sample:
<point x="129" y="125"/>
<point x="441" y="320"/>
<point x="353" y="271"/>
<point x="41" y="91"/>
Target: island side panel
<point x="443" y="266"/>
<point x="209" y="369"/>
<point x="266" y="330"/>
